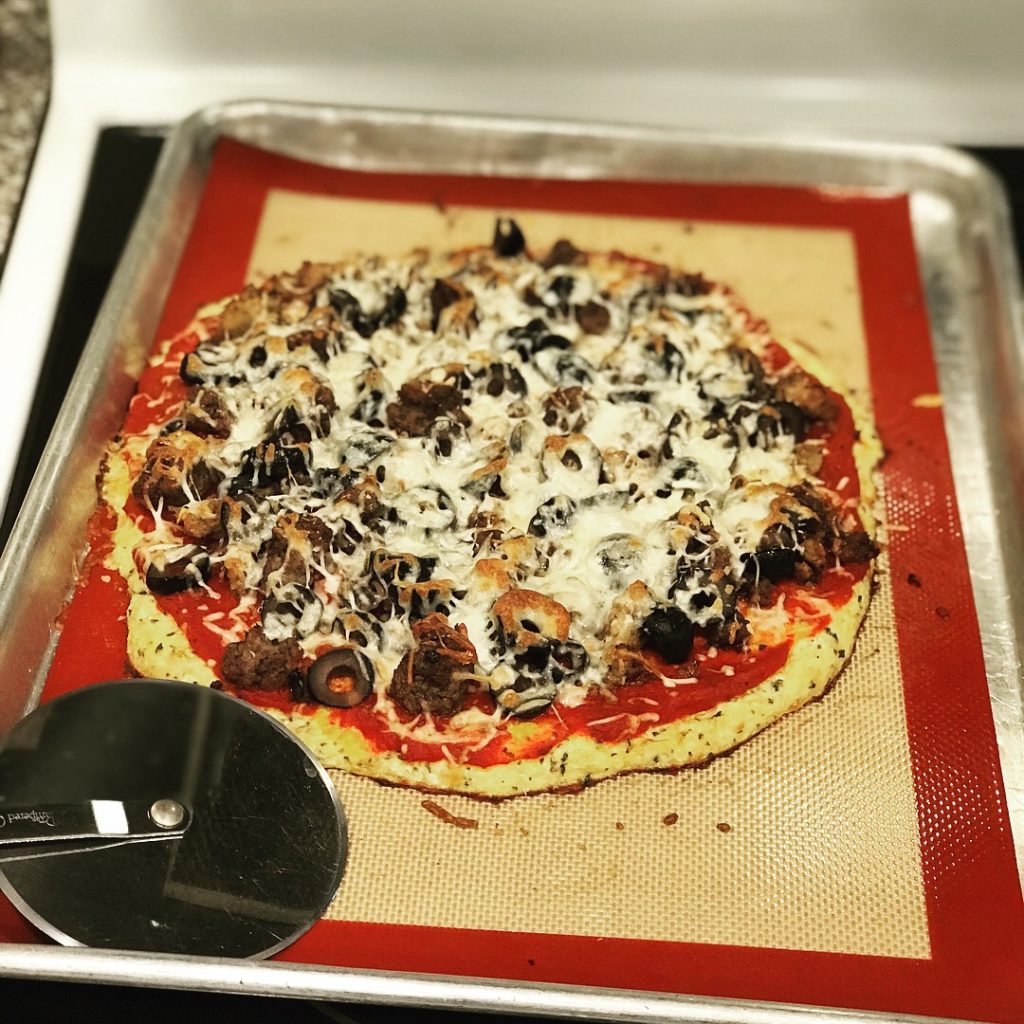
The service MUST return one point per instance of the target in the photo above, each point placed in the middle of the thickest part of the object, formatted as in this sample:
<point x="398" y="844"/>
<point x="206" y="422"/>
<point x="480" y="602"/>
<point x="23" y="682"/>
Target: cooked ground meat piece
<point x="429" y="677"/>
<point x="420" y="403"/>
<point x="174" y="472"/>
<point x="563" y="254"/>
<point x="731" y="631"/>
<point x="318" y="532"/>
<point x="323" y="399"/>
<point x="205" y="520"/>
<point x="856" y="547"/>
<point x="295" y="540"/>
<point x="821" y="538"/>
<point x="257" y="663"/>
<point x="365" y="495"/>
<point x="240" y="313"/>
<point x="810" y="456"/>
<point x="317" y="340"/>
<point x="692" y="285"/>
<point x="593" y="317"/>
<point x="424" y="681"/>
<point x="807" y="394"/>
<point x="206" y="414"/>
<point x="817" y="516"/>
<point x="286" y="562"/>
<point x="719" y="562"/>
<point x="626" y="667"/>
<point x="811" y="562"/>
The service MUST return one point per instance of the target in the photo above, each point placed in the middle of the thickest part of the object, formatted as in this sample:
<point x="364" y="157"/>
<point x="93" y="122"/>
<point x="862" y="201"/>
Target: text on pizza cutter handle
<point x="43" y="830"/>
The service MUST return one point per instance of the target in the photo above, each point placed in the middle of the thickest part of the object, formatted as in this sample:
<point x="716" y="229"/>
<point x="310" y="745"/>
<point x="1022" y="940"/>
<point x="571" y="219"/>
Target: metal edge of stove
<point x="961" y="225"/>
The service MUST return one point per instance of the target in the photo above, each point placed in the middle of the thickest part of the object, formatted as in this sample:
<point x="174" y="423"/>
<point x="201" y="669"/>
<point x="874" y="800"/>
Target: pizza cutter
<point x="168" y="818"/>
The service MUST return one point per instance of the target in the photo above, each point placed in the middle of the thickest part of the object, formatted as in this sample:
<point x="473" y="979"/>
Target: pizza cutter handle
<point x="83" y="823"/>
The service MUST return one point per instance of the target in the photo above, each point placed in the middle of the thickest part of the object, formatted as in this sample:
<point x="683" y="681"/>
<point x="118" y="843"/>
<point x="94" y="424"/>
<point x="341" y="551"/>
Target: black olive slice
<point x="552" y="516"/>
<point x="340" y="678"/>
<point x="538" y="671"/>
<point x="620" y="557"/>
<point x="793" y="418"/>
<point x="771" y="563"/>
<point x="268" y="465"/>
<point x="392" y="568"/>
<point x="208" y="361"/>
<point x="179" y="569"/>
<point x="529" y="339"/>
<point x="294" y="610"/>
<point x="328" y="482"/>
<point x="361" y="448"/>
<point x="669" y="633"/>
<point x="569" y="661"/>
<point x="530" y="694"/>
<point x="347" y="306"/>
<point x="532" y="703"/>
<point x="190" y="367"/>
<point x="628" y="395"/>
<point x="427" y="507"/>
<point x="395" y="305"/>
<point x="297" y="685"/>
<point x="508" y="238"/>
<point x="558" y="293"/>
<point x="290" y="429"/>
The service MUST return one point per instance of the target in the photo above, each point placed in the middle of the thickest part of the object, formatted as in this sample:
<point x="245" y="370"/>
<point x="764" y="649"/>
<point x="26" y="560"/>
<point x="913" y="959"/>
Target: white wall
<point x="948" y="70"/>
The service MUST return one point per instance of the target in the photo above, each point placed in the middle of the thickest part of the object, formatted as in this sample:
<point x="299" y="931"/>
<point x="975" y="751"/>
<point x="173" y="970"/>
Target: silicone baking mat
<point x="858" y="853"/>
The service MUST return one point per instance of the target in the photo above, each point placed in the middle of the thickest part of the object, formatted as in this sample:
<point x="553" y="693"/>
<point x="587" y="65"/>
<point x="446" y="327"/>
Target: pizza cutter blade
<point x="168" y="818"/>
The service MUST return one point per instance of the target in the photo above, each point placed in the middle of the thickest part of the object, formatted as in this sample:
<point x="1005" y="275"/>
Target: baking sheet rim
<point x="188" y="152"/>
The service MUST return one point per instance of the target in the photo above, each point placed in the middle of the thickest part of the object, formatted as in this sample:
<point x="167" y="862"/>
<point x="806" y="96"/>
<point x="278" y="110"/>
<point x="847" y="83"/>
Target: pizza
<point x="493" y="522"/>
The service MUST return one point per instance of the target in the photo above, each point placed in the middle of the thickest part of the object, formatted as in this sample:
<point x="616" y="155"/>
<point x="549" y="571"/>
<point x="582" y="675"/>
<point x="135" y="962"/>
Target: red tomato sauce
<point x="193" y="608"/>
<point x="839" y="465"/>
<point x="94" y="636"/>
<point x="835" y="586"/>
<point x="628" y="713"/>
<point x="161" y="390"/>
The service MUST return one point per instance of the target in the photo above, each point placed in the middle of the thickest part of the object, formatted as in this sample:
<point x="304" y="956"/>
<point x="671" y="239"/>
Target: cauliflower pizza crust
<point x="494" y="522"/>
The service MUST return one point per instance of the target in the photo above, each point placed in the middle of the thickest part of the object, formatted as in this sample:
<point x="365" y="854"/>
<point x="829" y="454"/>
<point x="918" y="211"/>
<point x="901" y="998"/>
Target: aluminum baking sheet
<point x="966" y="262"/>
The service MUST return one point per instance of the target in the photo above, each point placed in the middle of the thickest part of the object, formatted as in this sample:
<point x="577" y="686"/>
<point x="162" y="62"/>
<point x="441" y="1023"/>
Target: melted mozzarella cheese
<point x="662" y="384"/>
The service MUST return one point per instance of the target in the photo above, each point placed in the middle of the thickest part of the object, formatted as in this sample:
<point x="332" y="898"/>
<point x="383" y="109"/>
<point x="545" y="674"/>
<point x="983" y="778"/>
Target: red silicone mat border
<point x="972" y="890"/>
